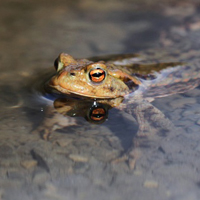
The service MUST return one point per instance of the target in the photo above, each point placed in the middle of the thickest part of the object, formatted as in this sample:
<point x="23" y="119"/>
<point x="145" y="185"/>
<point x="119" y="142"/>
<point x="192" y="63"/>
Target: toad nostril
<point x="72" y="74"/>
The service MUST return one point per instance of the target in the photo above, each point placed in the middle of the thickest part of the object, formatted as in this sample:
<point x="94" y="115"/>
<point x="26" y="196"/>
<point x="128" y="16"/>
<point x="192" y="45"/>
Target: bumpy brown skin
<point x="73" y="77"/>
<point x="152" y="75"/>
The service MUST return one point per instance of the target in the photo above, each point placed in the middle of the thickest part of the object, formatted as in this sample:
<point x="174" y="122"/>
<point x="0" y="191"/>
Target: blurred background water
<point x="76" y="162"/>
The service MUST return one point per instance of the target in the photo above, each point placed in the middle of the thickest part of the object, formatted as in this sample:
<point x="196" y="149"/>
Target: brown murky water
<point x="76" y="163"/>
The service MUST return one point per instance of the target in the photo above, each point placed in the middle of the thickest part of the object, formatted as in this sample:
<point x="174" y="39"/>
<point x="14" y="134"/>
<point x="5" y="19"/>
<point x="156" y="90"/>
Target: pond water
<point x="80" y="159"/>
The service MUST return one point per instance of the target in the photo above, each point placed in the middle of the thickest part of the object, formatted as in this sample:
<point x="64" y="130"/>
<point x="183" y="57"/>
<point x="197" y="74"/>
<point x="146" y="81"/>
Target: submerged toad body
<point x="127" y="82"/>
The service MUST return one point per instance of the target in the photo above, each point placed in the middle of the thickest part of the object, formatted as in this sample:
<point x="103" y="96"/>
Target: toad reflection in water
<point x="126" y="82"/>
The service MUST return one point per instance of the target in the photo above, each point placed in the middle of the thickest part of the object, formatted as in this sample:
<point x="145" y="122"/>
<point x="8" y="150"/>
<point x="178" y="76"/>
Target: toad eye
<point x="97" y="75"/>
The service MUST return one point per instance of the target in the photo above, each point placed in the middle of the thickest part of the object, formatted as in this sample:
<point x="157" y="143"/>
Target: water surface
<point x="76" y="163"/>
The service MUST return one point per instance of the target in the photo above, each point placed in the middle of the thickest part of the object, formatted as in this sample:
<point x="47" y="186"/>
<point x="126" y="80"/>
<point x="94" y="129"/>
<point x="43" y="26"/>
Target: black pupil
<point x="98" y="74"/>
<point x="98" y="115"/>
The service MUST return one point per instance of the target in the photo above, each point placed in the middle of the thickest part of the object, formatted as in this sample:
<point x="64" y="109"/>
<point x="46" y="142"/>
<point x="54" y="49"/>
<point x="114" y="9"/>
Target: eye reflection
<point x="97" y="114"/>
<point x="93" y="111"/>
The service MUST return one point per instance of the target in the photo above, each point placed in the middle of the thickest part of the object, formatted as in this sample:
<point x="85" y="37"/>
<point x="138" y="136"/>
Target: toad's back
<point x="162" y="73"/>
<point x="153" y="73"/>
